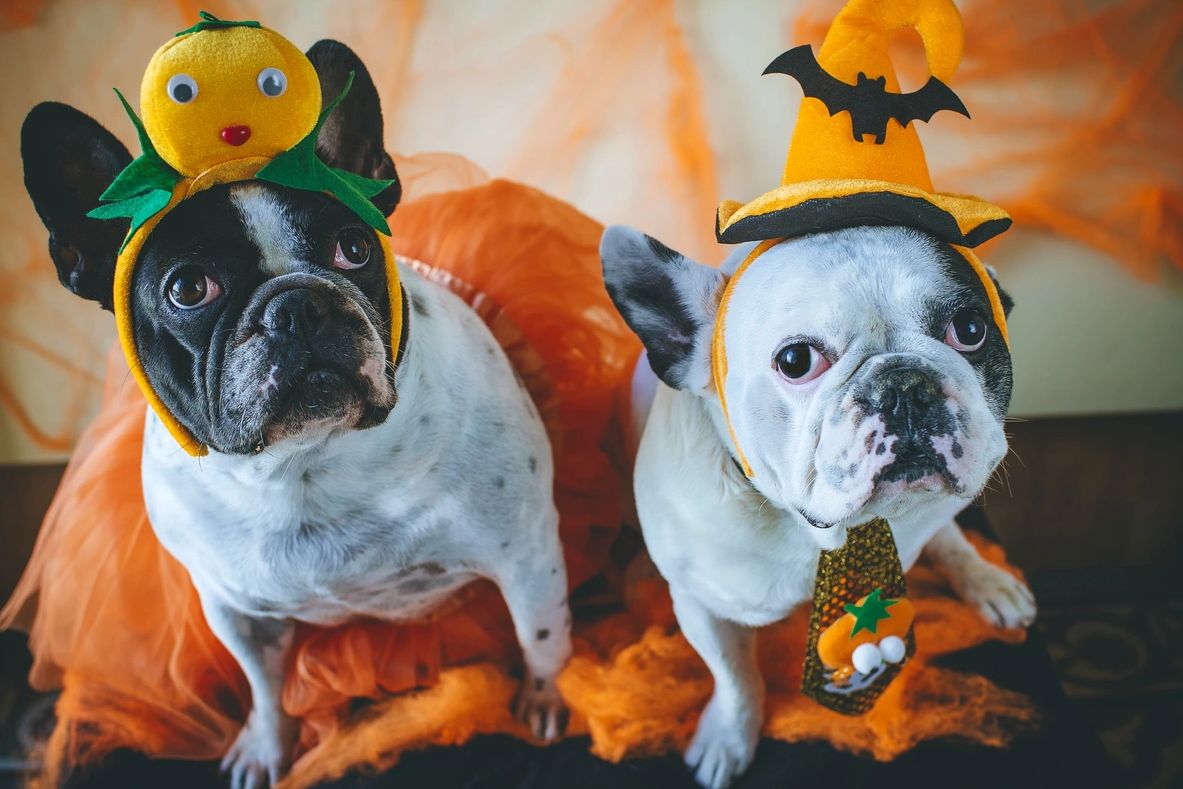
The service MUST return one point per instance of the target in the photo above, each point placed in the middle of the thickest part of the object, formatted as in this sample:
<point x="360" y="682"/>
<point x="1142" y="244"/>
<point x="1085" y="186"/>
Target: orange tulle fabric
<point x="114" y="621"/>
<point x="639" y="686"/>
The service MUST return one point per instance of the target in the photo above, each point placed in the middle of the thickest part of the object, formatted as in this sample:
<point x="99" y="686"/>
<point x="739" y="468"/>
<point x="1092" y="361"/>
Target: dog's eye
<point x="272" y="82"/>
<point x="182" y="88"/>
<point x="800" y="362"/>
<point x="353" y="249"/>
<point x="191" y="288"/>
<point x="967" y="331"/>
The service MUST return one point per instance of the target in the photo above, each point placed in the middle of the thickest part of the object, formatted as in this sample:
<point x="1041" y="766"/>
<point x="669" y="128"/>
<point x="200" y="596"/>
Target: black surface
<point x="1061" y="752"/>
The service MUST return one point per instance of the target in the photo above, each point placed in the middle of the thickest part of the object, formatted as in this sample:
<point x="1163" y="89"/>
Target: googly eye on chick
<point x="272" y="82"/>
<point x="182" y="88"/>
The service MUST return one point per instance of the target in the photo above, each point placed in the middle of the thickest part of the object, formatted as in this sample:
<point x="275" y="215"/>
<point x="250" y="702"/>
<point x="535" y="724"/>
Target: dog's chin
<point x="322" y="402"/>
<point x="884" y="497"/>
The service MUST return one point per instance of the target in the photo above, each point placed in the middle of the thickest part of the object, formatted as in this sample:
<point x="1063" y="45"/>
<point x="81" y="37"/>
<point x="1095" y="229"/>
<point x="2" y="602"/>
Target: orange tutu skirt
<point x="115" y="623"/>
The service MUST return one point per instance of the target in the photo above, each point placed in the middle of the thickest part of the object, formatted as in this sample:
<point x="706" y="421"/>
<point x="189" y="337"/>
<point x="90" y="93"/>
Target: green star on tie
<point x="868" y="615"/>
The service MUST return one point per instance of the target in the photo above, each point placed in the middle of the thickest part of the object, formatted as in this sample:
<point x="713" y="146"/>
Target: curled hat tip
<point x="862" y="30"/>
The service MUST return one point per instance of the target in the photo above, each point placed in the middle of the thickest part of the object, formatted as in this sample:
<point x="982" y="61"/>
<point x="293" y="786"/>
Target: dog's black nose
<point x="905" y="396"/>
<point x="298" y="311"/>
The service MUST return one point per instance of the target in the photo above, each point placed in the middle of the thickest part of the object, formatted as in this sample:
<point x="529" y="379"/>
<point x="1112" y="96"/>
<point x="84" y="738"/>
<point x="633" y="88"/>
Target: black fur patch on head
<point x="654" y="290"/>
<point x="665" y="298"/>
<point x="992" y="361"/>
<point x="663" y="253"/>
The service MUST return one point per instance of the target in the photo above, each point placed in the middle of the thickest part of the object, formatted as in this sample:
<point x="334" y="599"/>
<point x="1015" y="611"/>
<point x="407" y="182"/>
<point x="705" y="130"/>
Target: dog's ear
<point x="1003" y="296"/>
<point x="668" y="300"/>
<point x="69" y="160"/>
<point x="351" y="138"/>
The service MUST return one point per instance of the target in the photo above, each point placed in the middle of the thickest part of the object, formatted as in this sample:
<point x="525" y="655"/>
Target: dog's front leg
<point x="260" y="754"/>
<point x="1001" y="598"/>
<point x="535" y="590"/>
<point x="725" y="740"/>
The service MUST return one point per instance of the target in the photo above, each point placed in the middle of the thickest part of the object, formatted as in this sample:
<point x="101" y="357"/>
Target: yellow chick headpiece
<point x="226" y="101"/>
<point x="855" y="158"/>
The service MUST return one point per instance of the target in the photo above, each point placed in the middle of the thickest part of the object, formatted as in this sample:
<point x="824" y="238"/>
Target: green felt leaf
<point x="868" y="615"/>
<point x="301" y="168"/>
<point x="211" y="22"/>
<point x="367" y="186"/>
<point x="143" y="188"/>
<point x="147" y="171"/>
<point x="139" y="209"/>
<point x="358" y="201"/>
<point x="311" y="174"/>
<point x="295" y="168"/>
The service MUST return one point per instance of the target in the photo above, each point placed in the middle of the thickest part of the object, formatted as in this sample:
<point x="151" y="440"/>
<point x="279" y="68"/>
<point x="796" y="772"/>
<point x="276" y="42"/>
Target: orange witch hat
<point x="855" y="158"/>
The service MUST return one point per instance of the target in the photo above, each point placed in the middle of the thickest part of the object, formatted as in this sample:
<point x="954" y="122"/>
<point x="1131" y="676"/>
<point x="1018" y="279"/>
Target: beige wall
<point x="518" y="88"/>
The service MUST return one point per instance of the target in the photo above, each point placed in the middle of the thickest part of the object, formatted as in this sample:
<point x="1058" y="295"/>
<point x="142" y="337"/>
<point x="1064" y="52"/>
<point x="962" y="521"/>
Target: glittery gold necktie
<point x="860" y="631"/>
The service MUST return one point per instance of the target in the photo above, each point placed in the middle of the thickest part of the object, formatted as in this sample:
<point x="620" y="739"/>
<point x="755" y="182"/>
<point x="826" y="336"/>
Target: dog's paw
<point x="723" y="745"/>
<point x="540" y="707"/>
<point x="259" y="757"/>
<point x="1002" y="599"/>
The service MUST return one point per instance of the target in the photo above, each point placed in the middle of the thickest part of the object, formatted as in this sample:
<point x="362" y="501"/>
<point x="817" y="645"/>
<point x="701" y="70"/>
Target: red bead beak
<point x="236" y="135"/>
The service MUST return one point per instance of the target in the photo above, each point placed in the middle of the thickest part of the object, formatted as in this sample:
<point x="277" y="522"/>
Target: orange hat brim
<point x="805" y="207"/>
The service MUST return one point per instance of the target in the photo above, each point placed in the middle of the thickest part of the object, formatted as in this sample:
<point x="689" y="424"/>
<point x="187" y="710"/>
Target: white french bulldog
<point x="871" y="383"/>
<point x="338" y="484"/>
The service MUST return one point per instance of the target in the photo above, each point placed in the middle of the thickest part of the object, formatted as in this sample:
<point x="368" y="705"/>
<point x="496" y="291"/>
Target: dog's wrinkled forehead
<point x="861" y="284"/>
<point x="280" y="228"/>
<point x="271" y="227"/>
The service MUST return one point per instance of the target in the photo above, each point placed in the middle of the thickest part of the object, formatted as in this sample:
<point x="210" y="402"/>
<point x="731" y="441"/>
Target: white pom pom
<point x="893" y="649"/>
<point x="866" y="658"/>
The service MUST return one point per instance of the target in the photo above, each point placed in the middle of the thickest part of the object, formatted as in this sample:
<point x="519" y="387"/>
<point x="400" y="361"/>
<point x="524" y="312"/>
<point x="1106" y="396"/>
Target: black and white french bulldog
<point x="337" y="484"/>
<point x="872" y="382"/>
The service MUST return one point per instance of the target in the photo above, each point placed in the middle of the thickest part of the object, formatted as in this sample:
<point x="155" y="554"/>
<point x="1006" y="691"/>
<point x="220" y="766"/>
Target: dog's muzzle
<point x="299" y="312"/>
<point x="909" y="400"/>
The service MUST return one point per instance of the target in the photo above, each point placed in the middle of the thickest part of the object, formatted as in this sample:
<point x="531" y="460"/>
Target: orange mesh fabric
<point x="112" y="617"/>
<point x="642" y="696"/>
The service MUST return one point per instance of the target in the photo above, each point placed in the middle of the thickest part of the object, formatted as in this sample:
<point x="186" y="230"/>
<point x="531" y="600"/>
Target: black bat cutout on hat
<point x="869" y="102"/>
